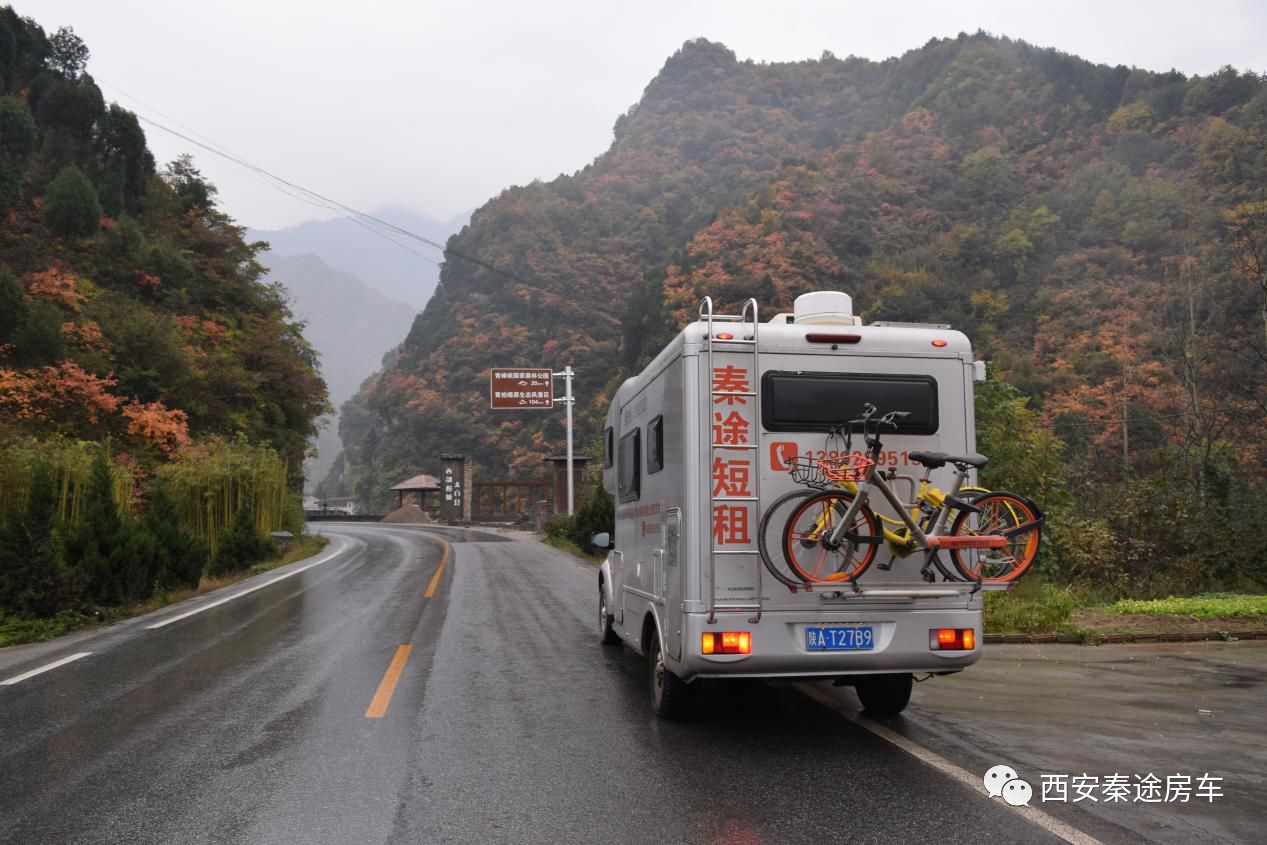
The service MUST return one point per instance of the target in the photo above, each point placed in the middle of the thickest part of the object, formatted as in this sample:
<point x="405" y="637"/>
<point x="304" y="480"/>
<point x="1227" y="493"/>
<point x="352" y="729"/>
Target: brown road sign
<point x="520" y="388"/>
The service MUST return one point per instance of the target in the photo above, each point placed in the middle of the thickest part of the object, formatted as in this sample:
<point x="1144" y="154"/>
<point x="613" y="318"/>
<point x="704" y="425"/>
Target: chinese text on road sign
<point x="518" y="389"/>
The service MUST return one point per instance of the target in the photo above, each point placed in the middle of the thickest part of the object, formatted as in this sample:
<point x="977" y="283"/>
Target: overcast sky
<point x="438" y="106"/>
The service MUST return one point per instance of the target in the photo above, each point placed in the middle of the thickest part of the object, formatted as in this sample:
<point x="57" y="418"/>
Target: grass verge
<point x="1208" y="606"/>
<point x="1038" y="608"/>
<point x="18" y="631"/>
<point x="565" y="545"/>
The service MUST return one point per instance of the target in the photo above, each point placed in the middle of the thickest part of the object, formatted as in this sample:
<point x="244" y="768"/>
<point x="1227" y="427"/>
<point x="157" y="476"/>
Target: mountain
<point x="1101" y="233"/>
<point x="350" y="326"/>
<point x="407" y="273"/>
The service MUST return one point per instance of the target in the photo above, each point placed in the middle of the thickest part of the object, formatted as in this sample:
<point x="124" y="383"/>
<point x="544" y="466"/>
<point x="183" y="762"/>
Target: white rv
<point x="696" y="447"/>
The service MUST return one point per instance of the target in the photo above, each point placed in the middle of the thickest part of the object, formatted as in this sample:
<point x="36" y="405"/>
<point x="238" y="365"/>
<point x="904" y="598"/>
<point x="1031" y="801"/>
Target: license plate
<point x="855" y="638"/>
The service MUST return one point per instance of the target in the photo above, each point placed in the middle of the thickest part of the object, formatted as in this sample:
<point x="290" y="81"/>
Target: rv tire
<point x="607" y="636"/>
<point x="670" y="695"/>
<point x="884" y="695"/>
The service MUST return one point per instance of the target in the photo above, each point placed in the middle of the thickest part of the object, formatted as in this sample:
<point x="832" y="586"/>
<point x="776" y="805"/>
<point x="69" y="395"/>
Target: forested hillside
<point x="1101" y="233"/>
<point x="142" y="360"/>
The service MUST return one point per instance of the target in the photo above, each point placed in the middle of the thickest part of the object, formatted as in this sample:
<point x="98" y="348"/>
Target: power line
<point x="388" y="231"/>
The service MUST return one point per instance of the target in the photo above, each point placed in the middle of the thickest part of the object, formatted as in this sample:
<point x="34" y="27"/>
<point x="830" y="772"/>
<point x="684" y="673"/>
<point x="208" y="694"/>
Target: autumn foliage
<point x="135" y="337"/>
<point x="1097" y="231"/>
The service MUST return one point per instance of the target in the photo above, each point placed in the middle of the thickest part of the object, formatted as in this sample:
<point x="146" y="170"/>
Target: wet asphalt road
<point x="247" y="723"/>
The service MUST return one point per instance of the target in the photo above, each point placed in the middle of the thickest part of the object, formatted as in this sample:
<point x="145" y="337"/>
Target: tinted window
<point x="628" y="466"/>
<point x="609" y="448"/>
<point x="818" y="401"/>
<point x="655" y="445"/>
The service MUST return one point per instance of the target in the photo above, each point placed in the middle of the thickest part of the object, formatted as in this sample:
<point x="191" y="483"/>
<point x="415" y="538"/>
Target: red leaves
<point x="166" y="428"/>
<point x="56" y="284"/>
<point x="33" y="394"/>
<point x="85" y="335"/>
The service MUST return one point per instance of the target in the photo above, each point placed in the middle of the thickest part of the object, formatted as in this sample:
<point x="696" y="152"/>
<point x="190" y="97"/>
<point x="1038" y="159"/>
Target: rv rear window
<point x="628" y="466"/>
<point x="655" y="445"/>
<point x="609" y="448"/>
<point x="798" y="401"/>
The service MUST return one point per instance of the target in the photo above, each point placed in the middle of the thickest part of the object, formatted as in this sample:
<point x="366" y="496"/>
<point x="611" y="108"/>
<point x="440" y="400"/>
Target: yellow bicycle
<point x="833" y="535"/>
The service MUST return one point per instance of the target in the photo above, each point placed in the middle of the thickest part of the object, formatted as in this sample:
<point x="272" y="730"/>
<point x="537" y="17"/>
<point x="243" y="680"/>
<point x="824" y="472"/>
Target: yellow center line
<point x="383" y="697"/>
<point x="435" y="579"/>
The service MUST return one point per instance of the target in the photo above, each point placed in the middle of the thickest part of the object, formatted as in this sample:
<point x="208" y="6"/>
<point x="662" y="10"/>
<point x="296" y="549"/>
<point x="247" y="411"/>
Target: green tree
<point x="113" y="559"/>
<point x="30" y="563"/>
<point x="13" y="308"/>
<point x="71" y="207"/>
<point x="181" y="556"/>
<point x="126" y="163"/>
<point x="67" y="53"/>
<point x="187" y="181"/>
<point x="17" y="141"/>
<point x="241" y="546"/>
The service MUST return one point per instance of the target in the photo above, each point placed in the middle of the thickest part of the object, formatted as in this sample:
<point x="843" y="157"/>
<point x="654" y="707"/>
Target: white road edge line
<point x="326" y="557"/>
<point x="1048" y="823"/>
<point x="17" y="679"/>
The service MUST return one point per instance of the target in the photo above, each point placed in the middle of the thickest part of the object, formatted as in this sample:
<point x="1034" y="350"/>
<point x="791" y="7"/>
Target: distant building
<point x="345" y="505"/>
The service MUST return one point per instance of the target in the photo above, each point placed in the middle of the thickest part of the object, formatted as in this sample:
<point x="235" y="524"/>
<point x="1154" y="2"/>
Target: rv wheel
<point x="884" y="695"/>
<point x="606" y="635"/>
<point x="670" y="695"/>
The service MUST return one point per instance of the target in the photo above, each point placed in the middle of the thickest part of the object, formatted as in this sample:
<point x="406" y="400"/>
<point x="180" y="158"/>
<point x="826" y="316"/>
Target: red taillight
<point x="725" y="336"/>
<point x="952" y="639"/>
<point x="726" y="642"/>
<point x="819" y="337"/>
<point x="939" y="343"/>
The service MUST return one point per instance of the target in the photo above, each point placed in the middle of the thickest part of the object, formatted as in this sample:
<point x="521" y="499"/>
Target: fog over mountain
<point x="384" y="266"/>
<point x="349" y="324"/>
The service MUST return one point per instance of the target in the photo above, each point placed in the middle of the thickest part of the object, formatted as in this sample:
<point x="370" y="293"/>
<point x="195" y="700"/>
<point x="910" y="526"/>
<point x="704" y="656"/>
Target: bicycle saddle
<point x="934" y="460"/>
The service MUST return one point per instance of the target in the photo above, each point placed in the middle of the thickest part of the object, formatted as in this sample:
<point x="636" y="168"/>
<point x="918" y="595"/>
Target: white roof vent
<point x="825" y="306"/>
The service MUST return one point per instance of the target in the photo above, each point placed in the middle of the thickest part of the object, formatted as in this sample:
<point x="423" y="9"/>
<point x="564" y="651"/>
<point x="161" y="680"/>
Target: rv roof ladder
<point x="749" y="340"/>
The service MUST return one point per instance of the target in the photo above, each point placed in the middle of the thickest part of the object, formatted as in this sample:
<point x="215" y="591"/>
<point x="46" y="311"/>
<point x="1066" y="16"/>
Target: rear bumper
<point x="779" y="647"/>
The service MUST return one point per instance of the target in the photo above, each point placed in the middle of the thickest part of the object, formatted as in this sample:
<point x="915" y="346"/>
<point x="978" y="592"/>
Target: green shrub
<point x="181" y="557"/>
<point x="1032" y="606"/>
<point x="30" y="562"/>
<point x="241" y="546"/>
<point x="111" y="558"/>
<point x="597" y="513"/>
<point x="561" y="527"/>
<point x="71" y="207"/>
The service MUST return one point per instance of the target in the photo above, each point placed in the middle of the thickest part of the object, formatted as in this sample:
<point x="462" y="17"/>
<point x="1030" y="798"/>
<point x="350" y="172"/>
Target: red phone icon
<point x="781" y="454"/>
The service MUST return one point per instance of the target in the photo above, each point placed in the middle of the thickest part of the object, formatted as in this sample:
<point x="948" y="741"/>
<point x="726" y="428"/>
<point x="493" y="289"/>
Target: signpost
<point x="512" y="389"/>
<point x="528" y="388"/>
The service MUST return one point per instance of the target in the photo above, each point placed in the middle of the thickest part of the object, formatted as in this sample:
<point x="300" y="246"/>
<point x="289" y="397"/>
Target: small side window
<point x="629" y="467"/>
<point x="609" y="448"/>
<point x="655" y="445"/>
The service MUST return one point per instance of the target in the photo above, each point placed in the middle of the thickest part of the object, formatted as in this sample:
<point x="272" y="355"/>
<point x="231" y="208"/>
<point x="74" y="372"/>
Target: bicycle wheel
<point x="1017" y="519"/>
<point x="965" y="494"/>
<point x="807" y="546"/>
<point x="771" y="547"/>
